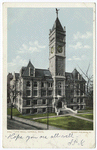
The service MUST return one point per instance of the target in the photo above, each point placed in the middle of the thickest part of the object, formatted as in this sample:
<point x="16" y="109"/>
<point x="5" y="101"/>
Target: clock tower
<point x="57" y="38"/>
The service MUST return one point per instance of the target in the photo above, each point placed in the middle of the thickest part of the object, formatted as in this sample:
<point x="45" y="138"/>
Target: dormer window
<point x="30" y="71"/>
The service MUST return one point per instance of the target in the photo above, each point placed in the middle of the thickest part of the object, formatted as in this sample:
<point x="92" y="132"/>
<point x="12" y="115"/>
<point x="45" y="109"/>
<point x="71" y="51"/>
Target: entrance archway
<point x="59" y="104"/>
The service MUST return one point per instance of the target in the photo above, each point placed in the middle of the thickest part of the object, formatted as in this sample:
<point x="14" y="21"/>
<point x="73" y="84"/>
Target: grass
<point x="89" y="116"/>
<point x="68" y="123"/>
<point x="16" y="113"/>
<point x="85" y="111"/>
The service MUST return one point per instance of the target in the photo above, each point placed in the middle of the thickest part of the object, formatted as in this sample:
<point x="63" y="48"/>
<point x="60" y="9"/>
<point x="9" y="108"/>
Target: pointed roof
<point x="57" y="25"/>
<point x="26" y="69"/>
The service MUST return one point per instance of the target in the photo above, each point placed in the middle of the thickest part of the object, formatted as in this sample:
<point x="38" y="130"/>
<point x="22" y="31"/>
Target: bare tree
<point x="89" y="84"/>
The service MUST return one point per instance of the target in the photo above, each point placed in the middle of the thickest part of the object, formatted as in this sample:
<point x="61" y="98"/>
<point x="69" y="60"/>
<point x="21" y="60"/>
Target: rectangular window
<point x="77" y="92"/>
<point x="35" y="92"/>
<point x="35" y="110"/>
<point x="28" y="93"/>
<point x="27" y="111"/>
<point x="35" y="84"/>
<point x="81" y="100"/>
<point x="44" y="93"/>
<point x="49" y="84"/>
<point x="59" y="92"/>
<point x="78" y="100"/>
<point x="50" y="92"/>
<point x="42" y="84"/>
<point x="28" y="102"/>
<point x="44" y="101"/>
<point x="72" y="100"/>
<point x="44" y="109"/>
<point x="31" y="72"/>
<point x="35" y="102"/>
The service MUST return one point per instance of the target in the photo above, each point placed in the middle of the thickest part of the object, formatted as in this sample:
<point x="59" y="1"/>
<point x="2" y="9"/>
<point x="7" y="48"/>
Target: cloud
<point x="31" y="47"/>
<point x="17" y="61"/>
<point x="79" y="45"/>
<point x="75" y="58"/>
<point x="79" y="35"/>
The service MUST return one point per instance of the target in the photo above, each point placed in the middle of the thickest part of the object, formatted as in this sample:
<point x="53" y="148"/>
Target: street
<point x="16" y="125"/>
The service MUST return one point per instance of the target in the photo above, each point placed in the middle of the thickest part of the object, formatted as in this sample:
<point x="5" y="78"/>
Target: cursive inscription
<point x="72" y="139"/>
<point x="15" y="137"/>
<point x="76" y="141"/>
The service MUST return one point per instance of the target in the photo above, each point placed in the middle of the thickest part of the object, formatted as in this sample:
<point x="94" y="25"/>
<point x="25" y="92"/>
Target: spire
<point x="57" y="12"/>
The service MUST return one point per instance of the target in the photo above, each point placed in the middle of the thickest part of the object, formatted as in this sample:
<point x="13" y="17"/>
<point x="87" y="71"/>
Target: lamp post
<point x="47" y="116"/>
<point x="11" y="110"/>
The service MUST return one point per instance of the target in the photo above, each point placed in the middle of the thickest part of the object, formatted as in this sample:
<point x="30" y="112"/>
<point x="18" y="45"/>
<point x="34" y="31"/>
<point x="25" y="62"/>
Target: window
<point x="81" y="100"/>
<point x="78" y="100"/>
<point x="44" y="109"/>
<point x="35" y="110"/>
<point x="28" y="102"/>
<point x="49" y="84"/>
<point x="59" y="85"/>
<point x="35" y="92"/>
<point x="42" y="84"/>
<point x="44" y="93"/>
<point x="28" y="92"/>
<point x="72" y="100"/>
<point x="35" y="84"/>
<point x="31" y="72"/>
<point x="27" y="111"/>
<point x="44" y="101"/>
<point x="28" y="83"/>
<point x="50" y="92"/>
<point x="35" y="102"/>
<point x="59" y="92"/>
<point x="77" y="92"/>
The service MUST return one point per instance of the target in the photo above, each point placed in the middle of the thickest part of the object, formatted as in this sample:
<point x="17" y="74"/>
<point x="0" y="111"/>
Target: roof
<point x="16" y="75"/>
<point x="42" y="73"/>
<point x="74" y="75"/>
<point x="25" y="70"/>
<point x="57" y="25"/>
<point x="38" y="72"/>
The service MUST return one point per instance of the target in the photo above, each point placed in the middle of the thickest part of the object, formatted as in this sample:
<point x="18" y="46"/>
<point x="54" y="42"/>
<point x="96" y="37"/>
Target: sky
<point x="28" y="37"/>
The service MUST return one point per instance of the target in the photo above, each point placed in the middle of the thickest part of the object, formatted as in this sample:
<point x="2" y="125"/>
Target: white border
<point x="58" y="5"/>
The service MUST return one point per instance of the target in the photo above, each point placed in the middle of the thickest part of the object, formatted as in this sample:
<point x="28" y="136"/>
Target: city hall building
<point x="34" y="90"/>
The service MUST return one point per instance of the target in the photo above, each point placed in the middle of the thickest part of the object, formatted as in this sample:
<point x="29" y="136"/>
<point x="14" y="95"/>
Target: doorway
<point x="59" y="104"/>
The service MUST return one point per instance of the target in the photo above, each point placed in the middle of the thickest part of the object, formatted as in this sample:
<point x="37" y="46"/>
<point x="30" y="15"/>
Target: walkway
<point x="73" y="115"/>
<point x="86" y="119"/>
<point x="40" y="126"/>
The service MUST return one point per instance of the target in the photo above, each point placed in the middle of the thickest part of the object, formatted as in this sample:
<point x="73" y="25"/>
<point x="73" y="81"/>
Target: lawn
<point x="89" y="116"/>
<point x="85" y="111"/>
<point x="16" y="113"/>
<point x="68" y="123"/>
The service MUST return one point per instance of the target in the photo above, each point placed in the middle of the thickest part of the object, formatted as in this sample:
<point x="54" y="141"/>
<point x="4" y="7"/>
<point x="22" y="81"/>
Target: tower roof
<point x="57" y="25"/>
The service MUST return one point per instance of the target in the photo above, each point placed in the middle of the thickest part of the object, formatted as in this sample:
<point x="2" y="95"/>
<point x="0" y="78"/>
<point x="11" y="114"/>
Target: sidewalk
<point x="39" y="126"/>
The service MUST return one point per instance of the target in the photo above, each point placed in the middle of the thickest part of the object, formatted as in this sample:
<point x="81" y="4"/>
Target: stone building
<point x="75" y="90"/>
<point x="36" y="90"/>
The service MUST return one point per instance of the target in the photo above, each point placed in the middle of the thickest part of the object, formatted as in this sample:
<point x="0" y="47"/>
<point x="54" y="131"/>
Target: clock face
<point x="52" y="50"/>
<point x="59" y="49"/>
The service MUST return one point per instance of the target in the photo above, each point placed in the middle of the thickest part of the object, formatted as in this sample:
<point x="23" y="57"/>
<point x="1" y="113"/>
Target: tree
<point x="89" y="87"/>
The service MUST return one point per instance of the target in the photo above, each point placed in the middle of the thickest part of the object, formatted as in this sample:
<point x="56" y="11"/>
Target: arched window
<point x="28" y="83"/>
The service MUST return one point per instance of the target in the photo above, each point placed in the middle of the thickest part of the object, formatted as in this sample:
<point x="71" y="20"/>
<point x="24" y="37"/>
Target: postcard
<point x="48" y="75"/>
